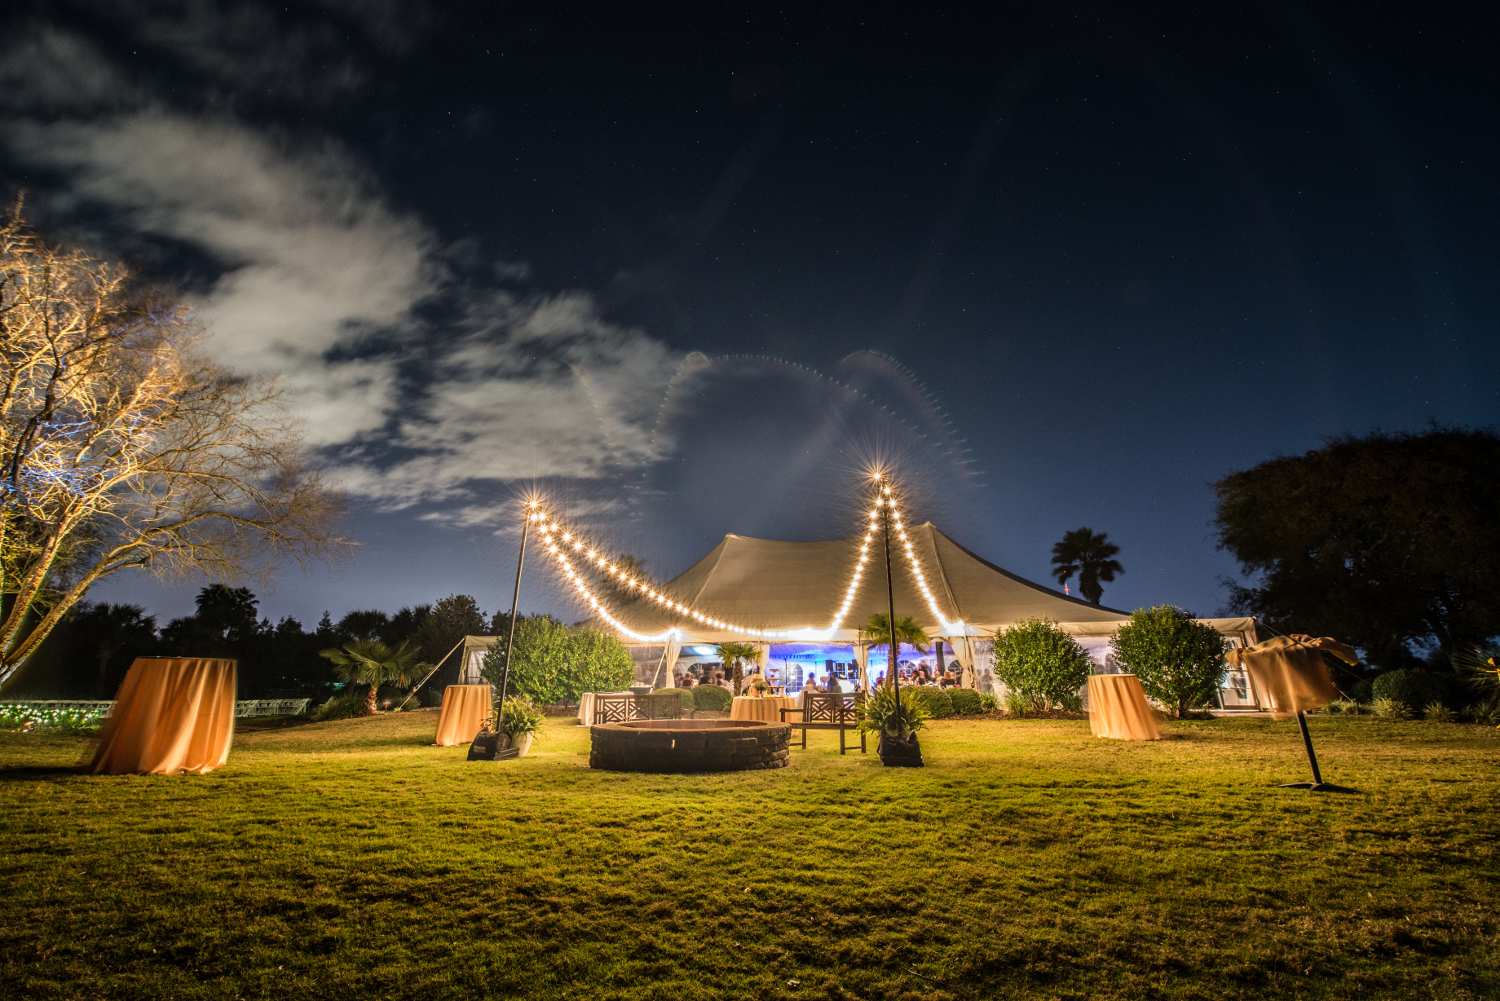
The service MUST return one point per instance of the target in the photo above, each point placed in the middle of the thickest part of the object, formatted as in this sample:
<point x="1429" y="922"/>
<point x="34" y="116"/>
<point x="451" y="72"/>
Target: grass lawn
<point x="1029" y="859"/>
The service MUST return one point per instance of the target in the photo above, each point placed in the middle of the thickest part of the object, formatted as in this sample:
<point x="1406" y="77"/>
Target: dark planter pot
<point x="896" y="752"/>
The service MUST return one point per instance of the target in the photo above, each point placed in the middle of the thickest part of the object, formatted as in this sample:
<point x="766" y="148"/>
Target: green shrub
<point x="988" y="702"/>
<point x="1486" y="712"/>
<point x="1015" y="703"/>
<point x="344" y="705"/>
<point x="1178" y="659"/>
<point x="1418" y="688"/>
<point x="880" y="711"/>
<point x="712" y="698"/>
<point x="1348" y="707"/>
<point x="938" y="702"/>
<point x="1360" y="691"/>
<point x="689" y="700"/>
<point x="1436" y="712"/>
<point x="1040" y="661"/>
<point x="1389" y="709"/>
<point x="553" y="662"/>
<point x="966" y="701"/>
<point x="1072" y="703"/>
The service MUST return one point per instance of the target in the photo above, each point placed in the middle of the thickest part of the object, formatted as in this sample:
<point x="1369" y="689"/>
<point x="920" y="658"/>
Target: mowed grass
<point x="1029" y="859"/>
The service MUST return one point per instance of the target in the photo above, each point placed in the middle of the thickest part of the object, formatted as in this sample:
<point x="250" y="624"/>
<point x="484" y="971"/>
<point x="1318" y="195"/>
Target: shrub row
<point x="944" y="702"/>
<point x="709" y="698"/>
<point x="1486" y="712"/>
<point x="1418" y="689"/>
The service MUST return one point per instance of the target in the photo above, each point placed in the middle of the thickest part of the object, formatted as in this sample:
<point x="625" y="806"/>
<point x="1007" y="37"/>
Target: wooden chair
<point x="665" y="704"/>
<point x="829" y="711"/>
<point x="614" y="708"/>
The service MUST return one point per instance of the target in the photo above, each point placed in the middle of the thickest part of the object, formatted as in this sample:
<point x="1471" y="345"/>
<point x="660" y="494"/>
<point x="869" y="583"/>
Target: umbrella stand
<point x="1317" y="784"/>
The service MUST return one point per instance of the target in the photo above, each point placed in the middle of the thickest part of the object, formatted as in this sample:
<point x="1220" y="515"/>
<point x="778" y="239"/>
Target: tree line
<point x="88" y="653"/>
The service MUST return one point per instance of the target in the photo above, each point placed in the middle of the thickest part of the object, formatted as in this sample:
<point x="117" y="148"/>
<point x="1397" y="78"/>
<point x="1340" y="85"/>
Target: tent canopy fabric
<point x="788" y="588"/>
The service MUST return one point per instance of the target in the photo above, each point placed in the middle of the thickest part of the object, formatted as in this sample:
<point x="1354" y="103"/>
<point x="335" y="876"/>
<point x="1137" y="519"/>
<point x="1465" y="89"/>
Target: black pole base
<point x="1317" y="787"/>
<point x="487" y="747"/>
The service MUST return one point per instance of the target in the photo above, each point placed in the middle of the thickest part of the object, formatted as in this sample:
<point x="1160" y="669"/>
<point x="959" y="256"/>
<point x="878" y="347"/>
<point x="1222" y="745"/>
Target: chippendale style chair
<point x="829" y="711"/>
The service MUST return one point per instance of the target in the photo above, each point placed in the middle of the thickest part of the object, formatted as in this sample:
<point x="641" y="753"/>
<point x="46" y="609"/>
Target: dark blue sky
<point x="1062" y="266"/>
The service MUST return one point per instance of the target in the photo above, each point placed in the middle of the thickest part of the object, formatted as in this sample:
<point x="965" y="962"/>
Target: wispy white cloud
<point x="534" y="388"/>
<point x="313" y="260"/>
<point x="47" y="71"/>
<point x="320" y="281"/>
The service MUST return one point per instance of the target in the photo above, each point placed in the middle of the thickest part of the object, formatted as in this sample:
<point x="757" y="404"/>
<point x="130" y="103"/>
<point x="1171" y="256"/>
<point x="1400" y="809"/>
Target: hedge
<point x="1417" y="689"/>
<point x="966" y="701"/>
<point x="939" y="703"/>
<point x="711" y="697"/>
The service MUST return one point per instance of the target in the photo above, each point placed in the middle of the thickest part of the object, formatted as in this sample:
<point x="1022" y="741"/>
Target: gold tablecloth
<point x="1290" y="672"/>
<point x="465" y="710"/>
<point x="171" y="715"/>
<point x="767" y="708"/>
<point x="1118" y="708"/>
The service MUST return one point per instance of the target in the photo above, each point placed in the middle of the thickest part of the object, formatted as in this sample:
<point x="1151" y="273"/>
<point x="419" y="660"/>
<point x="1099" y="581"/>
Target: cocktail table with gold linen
<point x="466" y="709"/>
<point x="767" y="708"/>
<point x="1118" y="708"/>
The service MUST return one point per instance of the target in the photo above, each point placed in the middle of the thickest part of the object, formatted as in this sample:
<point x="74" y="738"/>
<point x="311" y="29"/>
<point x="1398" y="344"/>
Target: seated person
<point x="832" y="684"/>
<point x="811" y="684"/>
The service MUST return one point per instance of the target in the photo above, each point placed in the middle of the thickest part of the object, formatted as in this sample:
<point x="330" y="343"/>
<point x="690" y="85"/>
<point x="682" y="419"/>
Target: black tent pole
<point x="890" y="590"/>
<point x="1317" y="784"/>
<point x="514" y="600"/>
<point x="1312" y="759"/>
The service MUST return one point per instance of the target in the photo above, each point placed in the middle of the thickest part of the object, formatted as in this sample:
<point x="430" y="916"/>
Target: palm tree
<point x="734" y="655"/>
<point x="1088" y="555"/>
<point x="372" y="663"/>
<point x="111" y="627"/>
<point x="878" y="629"/>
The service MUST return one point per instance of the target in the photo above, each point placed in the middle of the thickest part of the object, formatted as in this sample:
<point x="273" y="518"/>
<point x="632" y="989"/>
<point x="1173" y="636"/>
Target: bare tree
<point x="122" y="446"/>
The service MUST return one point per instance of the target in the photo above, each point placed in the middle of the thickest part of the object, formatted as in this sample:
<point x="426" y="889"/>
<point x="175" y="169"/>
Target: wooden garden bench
<point x="666" y="704"/>
<point x="828" y="711"/>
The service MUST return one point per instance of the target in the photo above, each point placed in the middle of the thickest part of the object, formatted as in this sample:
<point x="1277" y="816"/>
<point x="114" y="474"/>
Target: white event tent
<point x="791" y="592"/>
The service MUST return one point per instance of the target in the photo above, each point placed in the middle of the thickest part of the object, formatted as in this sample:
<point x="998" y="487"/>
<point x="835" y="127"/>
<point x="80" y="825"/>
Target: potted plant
<point x="896" y="741"/>
<point x="520" y="720"/>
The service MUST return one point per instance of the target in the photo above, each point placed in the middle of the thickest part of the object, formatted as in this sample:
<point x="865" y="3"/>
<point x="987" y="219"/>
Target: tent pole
<point x="1317" y="784"/>
<point x="890" y="591"/>
<point x="515" y="598"/>
<point x="413" y="692"/>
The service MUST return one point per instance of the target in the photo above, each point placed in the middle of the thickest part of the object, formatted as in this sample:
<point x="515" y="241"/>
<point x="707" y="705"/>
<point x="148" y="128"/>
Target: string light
<point x="950" y="626"/>
<point x="552" y="531"/>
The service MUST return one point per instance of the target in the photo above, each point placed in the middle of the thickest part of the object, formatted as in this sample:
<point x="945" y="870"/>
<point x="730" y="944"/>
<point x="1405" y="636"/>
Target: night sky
<point x="691" y="269"/>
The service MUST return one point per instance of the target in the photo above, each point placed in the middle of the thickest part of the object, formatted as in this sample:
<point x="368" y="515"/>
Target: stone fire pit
<point x="689" y="745"/>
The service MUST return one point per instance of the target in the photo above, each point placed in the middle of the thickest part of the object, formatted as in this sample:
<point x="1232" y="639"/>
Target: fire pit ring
<point x="689" y="745"/>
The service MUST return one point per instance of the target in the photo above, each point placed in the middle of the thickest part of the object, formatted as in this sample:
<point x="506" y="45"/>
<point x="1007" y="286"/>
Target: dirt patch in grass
<point x="352" y="859"/>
